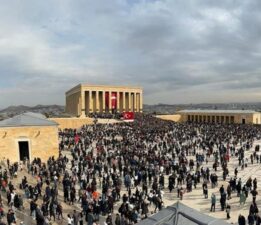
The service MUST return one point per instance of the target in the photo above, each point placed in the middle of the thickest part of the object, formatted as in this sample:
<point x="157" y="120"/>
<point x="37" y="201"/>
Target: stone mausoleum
<point x="28" y="136"/>
<point x="85" y="99"/>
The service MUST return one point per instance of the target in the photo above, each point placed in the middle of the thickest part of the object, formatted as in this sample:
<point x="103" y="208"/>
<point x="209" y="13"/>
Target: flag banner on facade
<point x="128" y="116"/>
<point x="111" y="100"/>
<point x="114" y="100"/>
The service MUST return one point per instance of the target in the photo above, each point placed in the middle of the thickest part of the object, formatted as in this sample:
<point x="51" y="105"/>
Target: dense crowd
<point x="105" y="115"/>
<point x="132" y="165"/>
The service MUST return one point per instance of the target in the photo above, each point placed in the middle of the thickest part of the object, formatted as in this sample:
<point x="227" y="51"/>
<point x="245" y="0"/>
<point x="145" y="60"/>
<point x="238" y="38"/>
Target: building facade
<point x="85" y="99"/>
<point x="28" y="136"/>
<point x="221" y="116"/>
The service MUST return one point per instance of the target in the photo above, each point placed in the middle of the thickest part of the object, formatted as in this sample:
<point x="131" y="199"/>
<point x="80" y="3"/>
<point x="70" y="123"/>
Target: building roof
<point x="83" y="85"/>
<point x="180" y="214"/>
<point x="213" y="111"/>
<point x="27" y="119"/>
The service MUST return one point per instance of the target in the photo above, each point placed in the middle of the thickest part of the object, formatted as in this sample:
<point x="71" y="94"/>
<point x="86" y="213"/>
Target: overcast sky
<point x="179" y="51"/>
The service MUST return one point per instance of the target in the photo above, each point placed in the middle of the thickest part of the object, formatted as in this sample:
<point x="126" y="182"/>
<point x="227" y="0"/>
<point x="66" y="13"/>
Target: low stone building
<point x="221" y="116"/>
<point x="28" y="136"/>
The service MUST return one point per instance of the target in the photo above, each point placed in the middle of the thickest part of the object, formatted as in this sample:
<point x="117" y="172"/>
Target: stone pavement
<point x="196" y="200"/>
<point x="24" y="215"/>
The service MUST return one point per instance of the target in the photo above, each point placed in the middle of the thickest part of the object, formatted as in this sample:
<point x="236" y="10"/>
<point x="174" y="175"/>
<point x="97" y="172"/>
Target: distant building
<point x="221" y="116"/>
<point x="84" y="99"/>
<point x="28" y="136"/>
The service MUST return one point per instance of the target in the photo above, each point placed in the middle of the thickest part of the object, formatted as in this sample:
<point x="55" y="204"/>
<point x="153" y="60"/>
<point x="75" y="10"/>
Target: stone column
<point x="130" y="106"/>
<point x="127" y="102"/>
<point x="82" y="105"/>
<point x="103" y="101"/>
<point x="90" y="102"/>
<point x="135" y="102"/>
<point x="97" y="102"/>
<point x="141" y="102"/>
<point x="132" y="102"/>
<point x="138" y="102"/>
<point x="123" y="102"/>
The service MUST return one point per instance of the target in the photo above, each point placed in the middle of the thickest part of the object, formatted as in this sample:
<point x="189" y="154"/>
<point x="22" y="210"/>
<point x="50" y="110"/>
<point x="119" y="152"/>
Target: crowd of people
<point x="119" y="173"/>
<point x="108" y="115"/>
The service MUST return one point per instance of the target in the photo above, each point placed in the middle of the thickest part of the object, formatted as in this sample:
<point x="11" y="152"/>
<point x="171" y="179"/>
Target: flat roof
<point x="102" y="86"/>
<point x="112" y="86"/>
<point x="219" y="111"/>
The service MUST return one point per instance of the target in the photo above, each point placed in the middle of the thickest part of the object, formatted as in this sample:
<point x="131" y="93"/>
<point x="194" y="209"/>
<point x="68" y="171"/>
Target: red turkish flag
<point x="128" y="115"/>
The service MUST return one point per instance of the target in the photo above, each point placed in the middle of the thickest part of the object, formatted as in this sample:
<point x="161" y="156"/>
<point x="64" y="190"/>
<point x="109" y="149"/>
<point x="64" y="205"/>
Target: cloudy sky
<point x="180" y="51"/>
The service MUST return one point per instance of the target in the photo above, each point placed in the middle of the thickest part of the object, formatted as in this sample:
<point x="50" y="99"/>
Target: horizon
<point x="178" y="51"/>
<point x="156" y="104"/>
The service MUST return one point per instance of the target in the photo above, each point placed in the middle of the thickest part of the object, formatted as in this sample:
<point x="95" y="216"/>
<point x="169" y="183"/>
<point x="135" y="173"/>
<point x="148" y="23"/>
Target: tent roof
<point x="27" y="119"/>
<point x="180" y="214"/>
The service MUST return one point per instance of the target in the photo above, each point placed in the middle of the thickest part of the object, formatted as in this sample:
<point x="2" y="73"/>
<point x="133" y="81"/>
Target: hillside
<point x="58" y="110"/>
<point x="49" y="110"/>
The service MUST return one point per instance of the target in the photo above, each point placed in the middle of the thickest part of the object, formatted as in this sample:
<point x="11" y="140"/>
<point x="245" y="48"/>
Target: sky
<point x="179" y="51"/>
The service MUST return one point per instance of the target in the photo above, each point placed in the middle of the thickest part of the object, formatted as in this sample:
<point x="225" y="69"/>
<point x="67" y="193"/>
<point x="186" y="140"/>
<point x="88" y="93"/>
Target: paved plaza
<point x="194" y="199"/>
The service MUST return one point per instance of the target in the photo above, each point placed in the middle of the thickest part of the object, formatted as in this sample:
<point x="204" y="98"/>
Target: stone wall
<point x="257" y="118"/>
<point x="73" y="123"/>
<point x="174" y="117"/>
<point x="43" y="142"/>
<point x="73" y="106"/>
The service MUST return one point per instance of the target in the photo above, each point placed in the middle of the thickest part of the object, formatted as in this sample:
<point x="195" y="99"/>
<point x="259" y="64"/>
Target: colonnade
<point x="95" y="101"/>
<point x="84" y="99"/>
<point x="225" y="119"/>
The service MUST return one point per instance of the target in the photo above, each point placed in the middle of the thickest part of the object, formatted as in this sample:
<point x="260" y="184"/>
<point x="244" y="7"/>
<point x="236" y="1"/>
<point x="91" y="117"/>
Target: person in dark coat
<point x="39" y="217"/>
<point x="10" y="217"/>
<point x="251" y="219"/>
<point x="258" y="219"/>
<point x="241" y="220"/>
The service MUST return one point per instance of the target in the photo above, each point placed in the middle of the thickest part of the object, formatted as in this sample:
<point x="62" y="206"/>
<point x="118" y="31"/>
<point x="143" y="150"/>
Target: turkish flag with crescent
<point x="128" y="115"/>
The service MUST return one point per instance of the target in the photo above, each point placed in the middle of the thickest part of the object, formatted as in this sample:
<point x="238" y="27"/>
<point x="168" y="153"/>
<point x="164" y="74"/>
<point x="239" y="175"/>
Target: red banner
<point x="114" y="100"/>
<point x="128" y="115"/>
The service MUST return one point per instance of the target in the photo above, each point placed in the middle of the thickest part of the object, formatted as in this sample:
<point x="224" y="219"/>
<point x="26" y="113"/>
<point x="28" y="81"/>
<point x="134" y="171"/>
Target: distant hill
<point x="59" y="111"/>
<point x="171" y="109"/>
<point x="48" y="110"/>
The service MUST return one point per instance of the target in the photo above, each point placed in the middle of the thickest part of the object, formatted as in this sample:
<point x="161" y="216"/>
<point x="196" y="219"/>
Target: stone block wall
<point x="73" y="123"/>
<point x="43" y="142"/>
